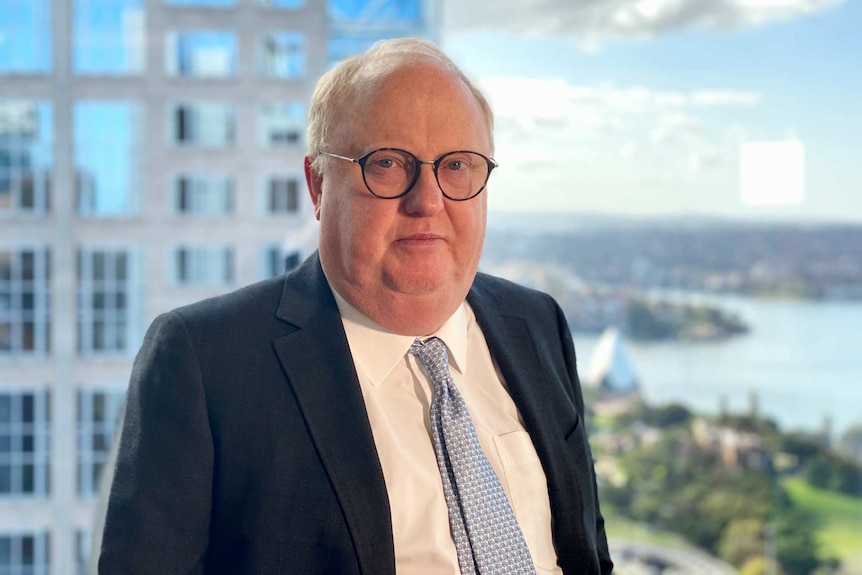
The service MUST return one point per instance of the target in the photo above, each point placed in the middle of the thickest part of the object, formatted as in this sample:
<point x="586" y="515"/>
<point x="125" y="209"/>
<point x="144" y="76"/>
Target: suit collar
<point x="317" y="364"/>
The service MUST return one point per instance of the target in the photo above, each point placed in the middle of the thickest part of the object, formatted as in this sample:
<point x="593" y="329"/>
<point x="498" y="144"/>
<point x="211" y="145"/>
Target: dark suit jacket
<point x="246" y="447"/>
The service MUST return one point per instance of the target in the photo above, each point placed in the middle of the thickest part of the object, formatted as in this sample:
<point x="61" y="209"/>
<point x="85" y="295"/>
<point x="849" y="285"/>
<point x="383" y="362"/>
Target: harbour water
<point x="803" y="359"/>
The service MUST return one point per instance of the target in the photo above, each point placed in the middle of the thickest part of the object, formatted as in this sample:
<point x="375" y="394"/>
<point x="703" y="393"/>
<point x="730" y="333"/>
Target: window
<point x="203" y="195"/>
<point x="201" y="54"/>
<point x="26" y="139"/>
<point x="108" y="150"/>
<point x="203" y="3"/>
<point x="203" y="265"/>
<point x="281" y="125"/>
<point x="98" y="415"/>
<point x="24" y="301"/>
<point x="282" y="55"/>
<point x="108" y="301"/>
<point x="109" y="37"/>
<point x="25" y="47"/>
<point x="282" y="3"/>
<point x="24" y="554"/>
<point x="83" y="542"/>
<point x="25" y="430"/>
<point x="276" y="259"/>
<point x="207" y="125"/>
<point x="282" y="195"/>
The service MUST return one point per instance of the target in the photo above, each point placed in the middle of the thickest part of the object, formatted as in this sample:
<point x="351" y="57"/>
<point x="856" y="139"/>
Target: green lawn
<point x="840" y="521"/>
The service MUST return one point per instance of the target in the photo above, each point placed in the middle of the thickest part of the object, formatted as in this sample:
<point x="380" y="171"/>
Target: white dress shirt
<point x="398" y="394"/>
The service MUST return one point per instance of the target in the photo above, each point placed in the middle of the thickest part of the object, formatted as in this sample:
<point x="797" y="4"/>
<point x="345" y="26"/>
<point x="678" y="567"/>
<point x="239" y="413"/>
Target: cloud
<point x="548" y="125"/>
<point x="590" y="21"/>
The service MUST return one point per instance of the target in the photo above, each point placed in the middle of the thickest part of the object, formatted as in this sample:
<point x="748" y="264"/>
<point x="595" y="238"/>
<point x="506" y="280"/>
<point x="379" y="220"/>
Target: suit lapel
<point x="547" y="413"/>
<point x="316" y="360"/>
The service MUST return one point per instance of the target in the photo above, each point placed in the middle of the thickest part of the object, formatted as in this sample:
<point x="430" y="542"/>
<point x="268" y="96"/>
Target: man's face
<point x="422" y="246"/>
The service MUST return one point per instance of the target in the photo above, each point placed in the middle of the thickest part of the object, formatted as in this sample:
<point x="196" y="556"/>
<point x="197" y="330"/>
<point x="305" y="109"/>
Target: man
<point x="285" y="428"/>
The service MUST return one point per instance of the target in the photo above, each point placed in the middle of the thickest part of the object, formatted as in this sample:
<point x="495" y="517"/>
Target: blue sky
<point x="602" y="111"/>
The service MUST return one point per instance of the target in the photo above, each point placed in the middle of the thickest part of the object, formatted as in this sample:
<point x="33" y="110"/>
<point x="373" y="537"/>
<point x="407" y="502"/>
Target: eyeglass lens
<point x="390" y="173"/>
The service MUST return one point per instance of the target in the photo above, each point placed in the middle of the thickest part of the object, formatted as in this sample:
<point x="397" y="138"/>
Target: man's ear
<point x="315" y="186"/>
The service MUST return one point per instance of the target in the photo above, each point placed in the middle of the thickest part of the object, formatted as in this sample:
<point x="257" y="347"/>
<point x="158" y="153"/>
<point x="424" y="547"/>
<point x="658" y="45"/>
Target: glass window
<point x="282" y="195"/>
<point x="203" y="265"/>
<point x="282" y="55"/>
<point x="26" y="139"/>
<point x="109" y="37"/>
<point x="203" y="3"/>
<point x="281" y="124"/>
<point x="108" y="300"/>
<point x="201" y="54"/>
<point x="24" y="554"/>
<point x="24" y="301"/>
<point x="25" y="39"/>
<point x="108" y="151"/>
<point x="282" y="3"/>
<point x="277" y="259"/>
<point x="207" y="125"/>
<point x="98" y="414"/>
<point x="83" y="542"/>
<point x="25" y="430"/>
<point x="203" y="194"/>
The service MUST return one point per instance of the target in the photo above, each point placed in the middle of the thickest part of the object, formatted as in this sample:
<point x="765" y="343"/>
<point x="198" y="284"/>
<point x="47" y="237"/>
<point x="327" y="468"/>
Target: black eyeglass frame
<point x="492" y="163"/>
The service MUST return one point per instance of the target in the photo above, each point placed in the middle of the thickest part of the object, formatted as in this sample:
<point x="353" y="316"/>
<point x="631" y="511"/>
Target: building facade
<point x="150" y="156"/>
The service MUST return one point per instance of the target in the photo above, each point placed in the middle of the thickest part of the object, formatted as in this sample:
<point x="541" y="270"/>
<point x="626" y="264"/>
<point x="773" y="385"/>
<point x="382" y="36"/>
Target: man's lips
<point x="422" y="238"/>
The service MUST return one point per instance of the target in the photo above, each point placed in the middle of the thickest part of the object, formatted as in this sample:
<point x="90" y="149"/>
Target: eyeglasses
<point x="391" y="172"/>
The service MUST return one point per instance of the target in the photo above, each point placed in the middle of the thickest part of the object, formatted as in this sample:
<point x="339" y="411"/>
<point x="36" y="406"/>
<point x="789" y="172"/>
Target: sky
<point x="728" y="108"/>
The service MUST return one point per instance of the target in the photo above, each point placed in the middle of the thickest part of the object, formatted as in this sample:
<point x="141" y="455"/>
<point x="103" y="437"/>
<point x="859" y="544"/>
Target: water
<point x="802" y="358"/>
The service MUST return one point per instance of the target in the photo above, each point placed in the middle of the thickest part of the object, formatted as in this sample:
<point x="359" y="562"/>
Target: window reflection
<point x="282" y="55"/>
<point x="203" y="195"/>
<point x="203" y="265"/>
<point x="204" y="124"/>
<point x="201" y="54"/>
<point x="26" y="138"/>
<point x="25" y="45"/>
<point x="108" y="149"/>
<point x="109" y="37"/>
<point x="24" y="437"/>
<point x="108" y="307"/>
<point x="281" y="124"/>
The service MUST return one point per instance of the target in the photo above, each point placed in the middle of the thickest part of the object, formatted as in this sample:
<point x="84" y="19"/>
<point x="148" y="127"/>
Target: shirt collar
<point x="377" y="351"/>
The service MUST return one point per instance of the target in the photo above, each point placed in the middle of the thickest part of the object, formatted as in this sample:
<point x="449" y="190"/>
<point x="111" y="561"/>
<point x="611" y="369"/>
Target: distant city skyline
<point x="644" y="108"/>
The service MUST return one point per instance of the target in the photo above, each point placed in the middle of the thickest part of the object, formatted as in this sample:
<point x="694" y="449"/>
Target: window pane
<point x="26" y="141"/>
<point x="108" y="151"/>
<point x="281" y="124"/>
<point x="201" y="54"/>
<point x="109" y="37"/>
<point x="26" y="44"/>
<point x="203" y="195"/>
<point x="282" y="55"/>
<point x="24" y="300"/>
<point x="202" y="124"/>
<point x="108" y="304"/>
<point x="203" y="3"/>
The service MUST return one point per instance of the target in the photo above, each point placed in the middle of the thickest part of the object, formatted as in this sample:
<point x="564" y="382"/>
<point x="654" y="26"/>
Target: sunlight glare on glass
<point x="772" y="173"/>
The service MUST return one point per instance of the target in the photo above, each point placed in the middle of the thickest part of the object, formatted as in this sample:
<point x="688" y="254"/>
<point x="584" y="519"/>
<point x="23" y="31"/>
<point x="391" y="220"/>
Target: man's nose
<point x="425" y="197"/>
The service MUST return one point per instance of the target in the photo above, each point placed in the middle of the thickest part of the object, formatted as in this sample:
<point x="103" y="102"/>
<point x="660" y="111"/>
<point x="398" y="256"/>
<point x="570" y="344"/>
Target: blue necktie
<point x="486" y="533"/>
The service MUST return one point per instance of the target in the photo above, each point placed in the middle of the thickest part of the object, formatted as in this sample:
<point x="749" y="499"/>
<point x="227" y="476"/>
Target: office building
<point x="150" y="156"/>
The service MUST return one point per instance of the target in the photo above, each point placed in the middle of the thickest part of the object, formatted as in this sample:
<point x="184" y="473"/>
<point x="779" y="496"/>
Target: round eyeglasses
<point x="392" y="172"/>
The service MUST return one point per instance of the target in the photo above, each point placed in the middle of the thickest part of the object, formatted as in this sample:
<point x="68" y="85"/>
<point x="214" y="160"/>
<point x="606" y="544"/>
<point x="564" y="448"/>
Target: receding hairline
<point x="358" y="77"/>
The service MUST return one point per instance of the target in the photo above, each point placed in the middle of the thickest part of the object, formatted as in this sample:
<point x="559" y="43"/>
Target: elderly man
<point x="383" y="408"/>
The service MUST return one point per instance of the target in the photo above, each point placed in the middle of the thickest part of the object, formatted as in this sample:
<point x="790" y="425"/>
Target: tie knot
<point x="432" y="348"/>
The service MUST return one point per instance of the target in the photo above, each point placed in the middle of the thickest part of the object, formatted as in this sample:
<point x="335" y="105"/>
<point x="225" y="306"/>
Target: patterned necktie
<point x="486" y="533"/>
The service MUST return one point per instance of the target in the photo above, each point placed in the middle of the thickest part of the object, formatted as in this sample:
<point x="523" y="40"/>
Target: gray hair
<point x="346" y="83"/>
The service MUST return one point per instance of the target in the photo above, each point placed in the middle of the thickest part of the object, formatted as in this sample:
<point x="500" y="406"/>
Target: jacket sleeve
<point x="605" y="563"/>
<point x="159" y="507"/>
